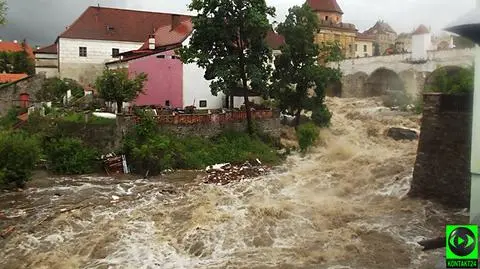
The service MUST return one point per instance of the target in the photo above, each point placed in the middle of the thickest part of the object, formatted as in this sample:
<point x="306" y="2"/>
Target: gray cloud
<point x="40" y="21"/>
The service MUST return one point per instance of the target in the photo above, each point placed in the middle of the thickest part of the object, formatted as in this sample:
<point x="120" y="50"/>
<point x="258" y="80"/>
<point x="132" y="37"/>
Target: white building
<point x="421" y="43"/>
<point x="46" y="61"/>
<point x="97" y="37"/>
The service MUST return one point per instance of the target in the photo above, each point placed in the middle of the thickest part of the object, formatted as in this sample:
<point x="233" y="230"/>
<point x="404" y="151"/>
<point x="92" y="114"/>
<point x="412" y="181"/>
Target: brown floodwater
<point x="342" y="206"/>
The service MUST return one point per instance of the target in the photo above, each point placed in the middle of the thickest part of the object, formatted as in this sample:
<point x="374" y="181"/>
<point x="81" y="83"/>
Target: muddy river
<point x="341" y="206"/>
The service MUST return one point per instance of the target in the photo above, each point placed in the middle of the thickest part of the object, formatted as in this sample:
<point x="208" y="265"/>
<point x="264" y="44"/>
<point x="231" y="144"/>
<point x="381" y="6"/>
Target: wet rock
<point x="402" y="134"/>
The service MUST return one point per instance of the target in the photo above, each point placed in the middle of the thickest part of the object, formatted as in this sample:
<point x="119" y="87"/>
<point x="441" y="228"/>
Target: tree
<point x="17" y="62"/>
<point x="116" y="86"/>
<point x="54" y="89"/>
<point x="229" y="42"/>
<point x="297" y="69"/>
<point x="22" y="63"/>
<point x="452" y="81"/>
<point x="3" y="12"/>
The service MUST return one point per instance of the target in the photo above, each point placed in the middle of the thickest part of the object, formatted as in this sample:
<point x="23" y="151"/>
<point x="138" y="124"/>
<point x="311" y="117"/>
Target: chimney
<point x="151" y="42"/>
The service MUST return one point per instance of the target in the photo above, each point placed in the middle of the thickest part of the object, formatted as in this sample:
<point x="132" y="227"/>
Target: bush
<point x="307" y="135"/>
<point x="18" y="156"/>
<point x="152" y="150"/>
<point x="321" y="116"/>
<point x="70" y="156"/>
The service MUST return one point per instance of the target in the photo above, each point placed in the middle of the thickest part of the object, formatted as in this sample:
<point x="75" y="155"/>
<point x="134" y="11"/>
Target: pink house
<point x="156" y="58"/>
<point x="170" y="82"/>
<point x="165" y="84"/>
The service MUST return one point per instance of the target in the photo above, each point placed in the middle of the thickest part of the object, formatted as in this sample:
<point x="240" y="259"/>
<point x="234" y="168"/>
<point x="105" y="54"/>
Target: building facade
<point x="97" y="37"/>
<point x="421" y="43"/>
<point x="332" y="28"/>
<point x="364" y="45"/>
<point x="385" y="37"/>
<point x="46" y="61"/>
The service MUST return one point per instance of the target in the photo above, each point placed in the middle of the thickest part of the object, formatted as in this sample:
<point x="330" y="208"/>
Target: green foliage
<point x="457" y="81"/>
<point x="229" y="42"/>
<point x="462" y="42"/>
<point x="70" y="156"/>
<point x="54" y="89"/>
<point x="116" y="86"/>
<point x="10" y="118"/>
<point x="150" y="149"/>
<point x="3" y="12"/>
<point x="297" y="70"/>
<point x="321" y="116"/>
<point x="18" y="156"/>
<point x="307" y="135"/>
<point x="16" y="62"/>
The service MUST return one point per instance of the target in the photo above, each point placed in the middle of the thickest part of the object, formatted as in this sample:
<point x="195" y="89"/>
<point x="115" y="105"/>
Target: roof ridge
<point x="142" y="11"/>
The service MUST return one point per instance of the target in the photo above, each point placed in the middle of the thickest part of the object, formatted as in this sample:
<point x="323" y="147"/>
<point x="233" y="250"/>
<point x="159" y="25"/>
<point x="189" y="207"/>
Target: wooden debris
<point x="6" y="232"/>
<point x="223" y="174"/>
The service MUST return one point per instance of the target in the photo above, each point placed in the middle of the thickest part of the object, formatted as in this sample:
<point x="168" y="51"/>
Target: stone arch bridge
<point x="374" y="76"/>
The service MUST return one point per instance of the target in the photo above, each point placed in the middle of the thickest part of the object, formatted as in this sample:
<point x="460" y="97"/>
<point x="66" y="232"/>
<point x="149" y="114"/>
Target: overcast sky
<point x="40" y="21"/>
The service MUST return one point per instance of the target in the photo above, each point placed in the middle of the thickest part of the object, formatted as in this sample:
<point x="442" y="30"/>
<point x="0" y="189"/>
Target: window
<point x="115" y="52"/>
<point x="366" y="55"/>
<point x="82" y="51"/>
<point x="161" y="56"/>
<point x="326" y="18"/>
<point x="203" y="103"/>
<point x="167" y="103"/>
<point x="364" y="48"/>
<point x="356" y="47"/>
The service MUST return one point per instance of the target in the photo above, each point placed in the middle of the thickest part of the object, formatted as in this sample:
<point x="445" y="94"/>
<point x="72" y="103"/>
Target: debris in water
<point x="402" y="134"/>
<point x="6" y="232"/>
<point x="114" y="197"/>
<point x="222" y="174"/>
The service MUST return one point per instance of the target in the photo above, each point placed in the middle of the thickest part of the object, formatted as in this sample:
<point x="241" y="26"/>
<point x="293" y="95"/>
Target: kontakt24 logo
<point x="462" y="246"/>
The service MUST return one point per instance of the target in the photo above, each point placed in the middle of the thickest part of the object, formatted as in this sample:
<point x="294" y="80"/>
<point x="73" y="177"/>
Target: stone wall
<point x="10" y="93"/>
<point x="198" y="125"/>
<point x="442" y="168"/>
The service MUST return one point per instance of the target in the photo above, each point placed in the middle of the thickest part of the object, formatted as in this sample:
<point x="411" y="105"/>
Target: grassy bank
<point x="61" y="146"/>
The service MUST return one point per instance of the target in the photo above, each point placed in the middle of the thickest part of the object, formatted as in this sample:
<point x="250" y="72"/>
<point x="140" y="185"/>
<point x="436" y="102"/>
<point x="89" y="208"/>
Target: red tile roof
<point x="325" y="5"/>
<point x="100" y="23"/>
<point x="7" y="78"/>
<point x="15" y="47"/>
<point x="274" y="40"/>
<point x="422" y="29"/>
<point x="51" y="49"/>
<point x="177" y="31"/>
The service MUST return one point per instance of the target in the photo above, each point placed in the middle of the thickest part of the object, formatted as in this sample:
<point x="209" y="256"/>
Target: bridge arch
<point x="334" y="89"/>
<point x="383" y="81"/>
<point x="354" y="85"/>
<point x="434" y="78"/>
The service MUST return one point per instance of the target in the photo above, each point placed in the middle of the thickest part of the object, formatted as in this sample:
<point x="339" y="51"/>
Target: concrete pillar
<point x="475" y="161"/>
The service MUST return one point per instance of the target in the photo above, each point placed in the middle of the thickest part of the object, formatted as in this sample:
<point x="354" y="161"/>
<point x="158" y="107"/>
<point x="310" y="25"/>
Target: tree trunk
<point x="247" y="107"/>
<point x="119" y="107"/>
<point x="297" y="118"/>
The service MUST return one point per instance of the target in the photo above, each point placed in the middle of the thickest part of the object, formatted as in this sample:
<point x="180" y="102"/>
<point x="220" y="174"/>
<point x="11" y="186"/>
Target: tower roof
<point x="380" y="27"/>
<point x="325" y="5"/>
<point x="422" y="29"/>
